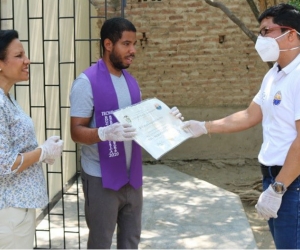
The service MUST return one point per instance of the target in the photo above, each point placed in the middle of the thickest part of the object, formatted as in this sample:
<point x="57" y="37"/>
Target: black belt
<point x="273" y="169"/>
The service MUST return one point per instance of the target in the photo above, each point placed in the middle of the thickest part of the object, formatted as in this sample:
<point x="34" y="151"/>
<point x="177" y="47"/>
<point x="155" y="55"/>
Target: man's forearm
<point x="85" y="135"/>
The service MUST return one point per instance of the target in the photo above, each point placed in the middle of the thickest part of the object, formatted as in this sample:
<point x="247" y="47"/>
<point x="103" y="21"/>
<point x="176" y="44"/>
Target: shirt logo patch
<point x="277" y="98"/>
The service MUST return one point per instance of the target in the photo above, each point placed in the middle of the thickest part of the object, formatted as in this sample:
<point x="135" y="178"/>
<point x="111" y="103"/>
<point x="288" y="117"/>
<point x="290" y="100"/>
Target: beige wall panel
<point x="6" y="24"/>
<point x="54" y="184"/>
<point x="66" y="8"/>
<point x="82" y="30"/>
<point x="37" y="84"/>
<point x="69" y="163"/>
<point x="35" y="8"/>
<point x="51" y="19"/>
<point x="21" y="18"/>
<point x="38" y="117"/>
<point x="6" y="9"/>
<point x="69" y="158"/>
<point x="66" y="41"/>
<point x="36" y="40"/>
<point x="66" y="79"/>
<point x="82" y="56"/>
<point x="52" y="108"/>
<point x="69" y="145"/>
<point x="51" y="63"/>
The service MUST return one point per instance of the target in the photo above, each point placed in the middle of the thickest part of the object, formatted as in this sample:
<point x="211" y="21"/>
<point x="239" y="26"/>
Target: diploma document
<point x="158" y="131"/>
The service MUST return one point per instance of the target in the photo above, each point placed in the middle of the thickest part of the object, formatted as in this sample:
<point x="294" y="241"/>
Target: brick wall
<point x="183" y="62"/>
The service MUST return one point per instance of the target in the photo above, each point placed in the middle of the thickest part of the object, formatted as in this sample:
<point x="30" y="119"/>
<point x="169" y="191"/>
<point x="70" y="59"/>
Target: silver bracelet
<point x="21" y="162"/>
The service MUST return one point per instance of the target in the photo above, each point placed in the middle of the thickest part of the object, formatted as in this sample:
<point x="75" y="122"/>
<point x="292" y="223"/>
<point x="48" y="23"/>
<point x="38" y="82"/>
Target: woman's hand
<point x="51" y="149"/>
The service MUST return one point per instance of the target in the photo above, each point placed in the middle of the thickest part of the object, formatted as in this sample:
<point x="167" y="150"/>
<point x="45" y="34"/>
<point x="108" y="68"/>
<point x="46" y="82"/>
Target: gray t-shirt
<point x="82" y="105"/>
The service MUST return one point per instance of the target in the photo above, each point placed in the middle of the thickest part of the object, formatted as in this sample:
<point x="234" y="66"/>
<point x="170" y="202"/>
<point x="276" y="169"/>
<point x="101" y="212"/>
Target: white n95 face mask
<point x="268" y="48"/>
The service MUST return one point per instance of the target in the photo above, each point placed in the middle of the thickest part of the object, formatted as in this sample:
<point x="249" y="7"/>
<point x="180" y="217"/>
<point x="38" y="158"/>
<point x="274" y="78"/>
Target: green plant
<point x="295" y="3"/>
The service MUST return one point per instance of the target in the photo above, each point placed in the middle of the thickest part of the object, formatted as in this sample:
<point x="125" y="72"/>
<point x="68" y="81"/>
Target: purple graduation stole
<point x="112" y="154"/>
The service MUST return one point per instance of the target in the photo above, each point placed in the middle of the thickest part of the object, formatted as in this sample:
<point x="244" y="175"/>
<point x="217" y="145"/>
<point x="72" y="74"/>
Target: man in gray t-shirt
<point x="106" y="206"/>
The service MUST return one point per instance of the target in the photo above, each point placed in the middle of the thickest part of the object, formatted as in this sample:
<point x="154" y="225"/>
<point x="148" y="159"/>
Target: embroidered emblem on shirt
<point x="277" y="98"/>
<point x="157" y="106"/>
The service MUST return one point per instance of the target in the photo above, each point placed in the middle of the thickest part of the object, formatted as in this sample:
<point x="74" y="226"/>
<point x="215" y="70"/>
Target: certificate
<point x="158" y="131"/>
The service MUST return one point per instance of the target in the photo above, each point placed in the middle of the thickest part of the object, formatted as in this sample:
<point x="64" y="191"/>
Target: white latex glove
<point x="195" y="127"/>
<point x="175" y="112"/>
<point x="117" y="132"/>
<point x="268" y="203"/>
<point x="51" y="149"/>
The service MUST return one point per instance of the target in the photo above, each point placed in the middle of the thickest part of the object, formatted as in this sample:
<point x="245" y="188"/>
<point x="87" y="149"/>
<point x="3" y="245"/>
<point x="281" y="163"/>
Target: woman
<point x="22" y="183"/>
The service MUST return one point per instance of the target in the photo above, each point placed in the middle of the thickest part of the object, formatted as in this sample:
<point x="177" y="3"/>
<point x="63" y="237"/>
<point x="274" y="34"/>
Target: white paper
<point x="157" y="130"/>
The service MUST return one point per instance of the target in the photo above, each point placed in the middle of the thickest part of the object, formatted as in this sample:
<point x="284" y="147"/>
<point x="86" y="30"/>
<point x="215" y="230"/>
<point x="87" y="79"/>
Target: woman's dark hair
<point x="284" y="15"/>
<point x="113" y="29"/>
<point x="6" y="37"/>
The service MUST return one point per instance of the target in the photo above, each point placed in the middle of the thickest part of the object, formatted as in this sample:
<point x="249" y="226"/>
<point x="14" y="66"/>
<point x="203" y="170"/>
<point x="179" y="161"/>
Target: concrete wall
<point x="244" y="144"/>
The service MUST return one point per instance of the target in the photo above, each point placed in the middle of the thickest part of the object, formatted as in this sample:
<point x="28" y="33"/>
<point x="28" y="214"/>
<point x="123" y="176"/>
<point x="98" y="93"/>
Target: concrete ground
<point x="180" y="212"/>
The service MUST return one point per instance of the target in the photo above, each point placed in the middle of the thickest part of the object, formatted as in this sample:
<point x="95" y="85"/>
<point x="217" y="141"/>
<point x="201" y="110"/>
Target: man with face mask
<point x="277" y="106"/>
<point x="111" y="161"/>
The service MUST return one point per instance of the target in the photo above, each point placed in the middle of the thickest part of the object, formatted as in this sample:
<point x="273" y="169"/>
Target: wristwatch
<point x="279" y="187"/>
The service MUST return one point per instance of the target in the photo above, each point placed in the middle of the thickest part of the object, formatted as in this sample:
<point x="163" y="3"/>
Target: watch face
<point x="279" y="187"/>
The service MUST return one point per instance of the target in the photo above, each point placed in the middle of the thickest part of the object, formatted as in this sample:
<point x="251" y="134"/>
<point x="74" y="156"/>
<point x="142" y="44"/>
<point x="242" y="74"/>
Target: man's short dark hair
<point x="113" y="29"/>
<point x="284" y="15"/>
<point x="6" y="37"/>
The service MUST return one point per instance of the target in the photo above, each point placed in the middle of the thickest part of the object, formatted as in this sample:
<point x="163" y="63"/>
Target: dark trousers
<point x="106" y="208"/>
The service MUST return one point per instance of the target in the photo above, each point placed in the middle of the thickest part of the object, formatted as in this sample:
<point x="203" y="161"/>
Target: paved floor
<point x="180" y="212"/>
